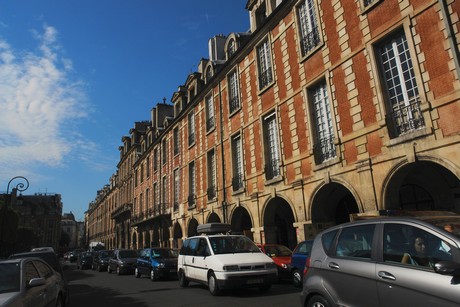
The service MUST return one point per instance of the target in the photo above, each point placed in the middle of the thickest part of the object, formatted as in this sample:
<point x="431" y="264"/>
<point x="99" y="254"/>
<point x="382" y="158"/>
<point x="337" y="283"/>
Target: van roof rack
<point x="213" y="228"/>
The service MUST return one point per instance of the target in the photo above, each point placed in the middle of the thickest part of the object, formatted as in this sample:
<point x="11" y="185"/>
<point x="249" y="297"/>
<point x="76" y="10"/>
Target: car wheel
<point x="153" y="275"/>
<point x="99" y="268"/>
<point x="212" y="285"/>
<point x="136" y="273"/>
<point x="183" y="281"/>
<point x="318" y="301"/>
<point x="118" y="270"/>
<point x="108" y="269"/>
<point x="296" y="278"/>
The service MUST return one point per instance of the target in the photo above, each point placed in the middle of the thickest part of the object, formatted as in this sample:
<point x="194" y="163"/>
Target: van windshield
<point x="232" y="245"/>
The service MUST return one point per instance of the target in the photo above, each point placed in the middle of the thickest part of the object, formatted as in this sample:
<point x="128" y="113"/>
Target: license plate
<point x="255" y="281"/>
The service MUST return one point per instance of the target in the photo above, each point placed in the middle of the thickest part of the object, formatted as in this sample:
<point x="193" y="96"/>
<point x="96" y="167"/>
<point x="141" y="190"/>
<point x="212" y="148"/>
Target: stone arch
<point x="213" y="218"/>
<point x="422" y="185"/>
<point x="134" y="239"/>
<point x="331" y="205"/>
<point x="279" y="223"/>
<point x="147" y="240"/>
<point x="192" y="225"/>
<point x="177" y="236"/>
<point x="241" y="222"/>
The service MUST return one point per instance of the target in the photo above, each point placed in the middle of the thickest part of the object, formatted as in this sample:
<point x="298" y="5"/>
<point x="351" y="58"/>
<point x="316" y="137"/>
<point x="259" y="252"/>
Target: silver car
<point x="393" y="261"/>
<point x="30" y="282"/>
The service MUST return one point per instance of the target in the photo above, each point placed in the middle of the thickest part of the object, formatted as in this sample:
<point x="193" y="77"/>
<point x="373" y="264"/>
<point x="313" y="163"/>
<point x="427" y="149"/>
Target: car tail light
<point x="307" y="265"/>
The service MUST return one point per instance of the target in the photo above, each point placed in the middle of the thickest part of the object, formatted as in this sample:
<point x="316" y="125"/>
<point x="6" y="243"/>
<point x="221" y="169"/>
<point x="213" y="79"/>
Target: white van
<point x="224" y="261"/>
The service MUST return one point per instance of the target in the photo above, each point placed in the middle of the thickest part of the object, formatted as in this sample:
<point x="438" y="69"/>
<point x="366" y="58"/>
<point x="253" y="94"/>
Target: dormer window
<point x="261" y="14"/>
<point x="208" y="73"/>
<point x="231" y="49"/>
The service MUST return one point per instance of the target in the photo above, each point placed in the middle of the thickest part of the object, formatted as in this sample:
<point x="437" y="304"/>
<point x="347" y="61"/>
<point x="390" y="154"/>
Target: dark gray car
<point x="394" y="261"/>
<point x="122" y="261"/>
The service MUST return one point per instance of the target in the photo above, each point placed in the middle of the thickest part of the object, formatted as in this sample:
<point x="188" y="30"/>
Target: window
<point x="176" y="189"/>
<point x="355" y="242"/>
<point x="142" y="172"/>
<point x="211" y="175"/>
<point x="147" y="196"/>
<point x="141" y="203"/>
<point x="323" y="147"/>
<point x="237" y="159"/>
<point x="155" y="194"/>
<point x="231" y="49"/>
<point x="308" y="25"/>
<point x="165" y="151"/>
<point x="403" y="101"/>
<point x="191" y="128"/>
<point x="165" y="190"/>
<point x="176" y="141"/>
<point x="210" y="120"/>
<point x="234" y="96"/>
<point x="413" y="246"/>
<point x="155" y="159"/>
<point x="148" y="167"/>
<point x="191" y="184"/>
<point x="208" y="74"/>
<point x="272" y="155"/>
<point x="368" y="3"/>
<point x="265" y="65"/>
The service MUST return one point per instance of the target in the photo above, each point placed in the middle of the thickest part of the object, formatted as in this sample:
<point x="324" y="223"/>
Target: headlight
<point x="231" y="268"/>
<point x="161" y="265"/>
<point x="284" y="265"/>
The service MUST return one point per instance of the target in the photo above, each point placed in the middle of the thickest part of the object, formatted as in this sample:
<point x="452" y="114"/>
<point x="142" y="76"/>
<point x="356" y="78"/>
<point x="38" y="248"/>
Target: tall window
<point x="404" y="114"/>
<point x="176" y="189"/>
<point x="191" y="184"/>
<point x="176" y="141"/>
<point x="155" y="159"/>
<point x="210" y="120"/>
<point x="148" y="166"/>
<point x="231" y="49"/>
<point x="147" y="205"/>
<point x="165" y="151"/>
<point x="191" y="128"/>
<point x="155" y="197"/>
<point x="272" y="154"/>
<point x="164" y="190"/>
<point x="265" y="64"/>
<point x="309" y="31"/>
<point x="323" y="147"/>
<point x="237" y="159"/>
<point x="234" y="96"/>
<point x="141" y="203"/>
<point x="212" y="181"/>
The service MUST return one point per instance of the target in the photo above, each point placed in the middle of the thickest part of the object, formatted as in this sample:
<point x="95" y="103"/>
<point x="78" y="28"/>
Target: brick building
<point x="324" y="108"/>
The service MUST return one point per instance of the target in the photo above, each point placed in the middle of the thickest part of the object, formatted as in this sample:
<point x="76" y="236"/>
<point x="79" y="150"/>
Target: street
<point x="91" y="288"/>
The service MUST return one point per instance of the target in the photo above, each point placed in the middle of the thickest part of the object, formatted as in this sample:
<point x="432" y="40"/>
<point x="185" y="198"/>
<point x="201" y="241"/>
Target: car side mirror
<point x="447" y="268"/>
<point x="35" y="282"/>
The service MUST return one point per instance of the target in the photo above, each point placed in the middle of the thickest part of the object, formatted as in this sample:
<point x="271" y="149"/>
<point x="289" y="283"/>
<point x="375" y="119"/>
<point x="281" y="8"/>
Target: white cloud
<point x="39" y="105"/>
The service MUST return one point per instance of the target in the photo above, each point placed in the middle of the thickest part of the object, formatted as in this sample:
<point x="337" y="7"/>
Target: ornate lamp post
<point x="21" y="186"/>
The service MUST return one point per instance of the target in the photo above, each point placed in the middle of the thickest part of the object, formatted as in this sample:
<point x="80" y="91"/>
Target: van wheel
<point x="136" y="273"/>
<point x="183" y="281"/>
<point x="212" y="285"/>
<point x="296" y="278"/>
<point x="318" y="301"/>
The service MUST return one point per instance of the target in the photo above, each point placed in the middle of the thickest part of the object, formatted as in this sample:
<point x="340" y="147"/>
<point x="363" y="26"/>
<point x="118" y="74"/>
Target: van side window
<point x="355" y="242"/>
<point x="184" y="248"/>
<point x="193" y="246"/>
<point x="203" y="249"/>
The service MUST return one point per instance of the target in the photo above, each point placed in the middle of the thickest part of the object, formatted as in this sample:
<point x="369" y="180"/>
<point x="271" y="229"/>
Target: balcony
<point x="324" y="150"/>
<point x="310" y="41"/>
<point x="272" y="169"/>
<point x="126" y="208"/>
<point x="405" y="119"/>
<point x="234" y="104"/>
<point x="237" y="182"/>
<point x="161" y="209"/>
<point x="265" y="78"/>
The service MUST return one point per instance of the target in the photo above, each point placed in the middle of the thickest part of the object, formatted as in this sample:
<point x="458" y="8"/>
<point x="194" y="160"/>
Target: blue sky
<point x="76" y="74"/>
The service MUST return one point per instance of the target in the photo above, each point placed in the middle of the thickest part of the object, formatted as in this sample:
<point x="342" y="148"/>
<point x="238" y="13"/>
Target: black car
<point x="122" y="261"/>
<point x="74" y="254"/>
<point x="52" y="259"/>
<point x="101" y="260"/>
<point x="85" y="260"/>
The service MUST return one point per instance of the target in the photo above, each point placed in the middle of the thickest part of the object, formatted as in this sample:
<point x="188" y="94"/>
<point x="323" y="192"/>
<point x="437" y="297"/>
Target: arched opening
<point x="278" y="223"/>
<point x="191" y="231"/>
<point x="177" y="239"/>
<point x="241" y="222"/>
<point x="214" y="218"/>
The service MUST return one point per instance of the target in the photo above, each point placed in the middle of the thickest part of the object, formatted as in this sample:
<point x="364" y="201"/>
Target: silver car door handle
<point x="386" y="275"/>
<point x="334" y="265"/>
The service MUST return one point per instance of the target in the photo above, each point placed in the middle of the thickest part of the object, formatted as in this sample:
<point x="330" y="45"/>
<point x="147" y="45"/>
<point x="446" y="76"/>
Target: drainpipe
<point x="224" y="190"/>
<point x="450" y="35"/>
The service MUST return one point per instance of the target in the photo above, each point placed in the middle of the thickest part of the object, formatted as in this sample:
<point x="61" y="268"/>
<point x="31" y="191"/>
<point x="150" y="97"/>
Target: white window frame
<point x="264" y="60"/>
<point x="309" y="30"/>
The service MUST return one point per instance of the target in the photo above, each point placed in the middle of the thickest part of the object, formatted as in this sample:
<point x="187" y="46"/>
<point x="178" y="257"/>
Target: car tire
<point x="136" y="273"/>
<point x="109" y="270"/>
<point x="297" y="278"/>
<point x="183" y="281"/>
<point x="212" y="285"/>
<point x="153" y="275"/>
<point x="318" y="301"/>
<point x="118" y="271"/>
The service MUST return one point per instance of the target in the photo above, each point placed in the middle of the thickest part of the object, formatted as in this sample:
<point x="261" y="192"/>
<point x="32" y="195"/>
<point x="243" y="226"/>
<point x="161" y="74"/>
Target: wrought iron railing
<point x="191" y="138"/>
<point x="272" y="169"/>
<point x="265" y="78"/>
<point x="211" y="191"/>
<point x="191" y="200"/>
<point x="405" y="119"/>
<point x="210" y="123"/>
<point x="324" y="150"/>
<point x="234" y="104"/>
<point x="310" y="41"/>
<point x="237" y="182"/>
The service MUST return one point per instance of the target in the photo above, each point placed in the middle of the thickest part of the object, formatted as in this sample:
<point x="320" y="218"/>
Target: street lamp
<point x="21" y="186"/>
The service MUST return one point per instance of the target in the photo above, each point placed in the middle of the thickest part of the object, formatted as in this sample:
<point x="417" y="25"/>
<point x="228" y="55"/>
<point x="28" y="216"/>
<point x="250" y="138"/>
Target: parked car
<point x="299" y="258"/>
<point x="123" y="261"/>
<point x="42" y="249"/>
<point x="101" y="260"/>
<point x="222" y="261"/>
<point x="74" y="254"/>
<point x="157" y="262"/>
<point x="85" y="260"/>
<point x="281" y="255"/>
<point x="52" y="259"/>
<point x="393" y="261"/>
<point x="30" y="282"/>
